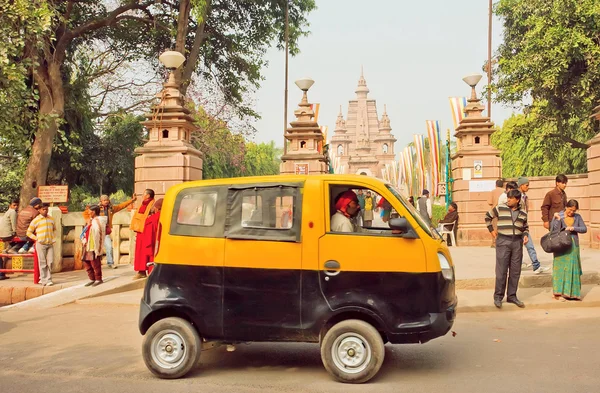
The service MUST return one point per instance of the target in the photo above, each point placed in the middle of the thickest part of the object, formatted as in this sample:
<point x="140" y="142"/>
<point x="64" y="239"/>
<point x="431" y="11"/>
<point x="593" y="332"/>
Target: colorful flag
<point x="420" y="164"/>
<point x="433" y="133"/>
<point x="315" y="108"/>
<point x="457" y="106"/>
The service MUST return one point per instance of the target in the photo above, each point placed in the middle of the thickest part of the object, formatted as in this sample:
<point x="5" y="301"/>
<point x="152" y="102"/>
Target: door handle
<point x="332" y="268"/>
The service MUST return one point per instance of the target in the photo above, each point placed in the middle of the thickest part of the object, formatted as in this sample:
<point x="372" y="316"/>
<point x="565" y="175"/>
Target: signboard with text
<point x="53" y="194"/>
<point x="478" y="169"/>
<point x="301" y="169"/>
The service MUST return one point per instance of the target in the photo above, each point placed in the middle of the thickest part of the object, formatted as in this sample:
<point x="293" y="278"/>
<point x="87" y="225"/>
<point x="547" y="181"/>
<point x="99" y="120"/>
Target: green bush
<point x="438" y="212"/>
<point x="80" y="197"/>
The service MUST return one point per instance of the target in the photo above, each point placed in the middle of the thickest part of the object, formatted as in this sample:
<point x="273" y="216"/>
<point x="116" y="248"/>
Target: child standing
<point x="41" y="230"/>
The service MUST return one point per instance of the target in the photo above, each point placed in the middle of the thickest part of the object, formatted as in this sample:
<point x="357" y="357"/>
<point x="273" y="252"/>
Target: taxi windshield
<point x="413" y="211"/>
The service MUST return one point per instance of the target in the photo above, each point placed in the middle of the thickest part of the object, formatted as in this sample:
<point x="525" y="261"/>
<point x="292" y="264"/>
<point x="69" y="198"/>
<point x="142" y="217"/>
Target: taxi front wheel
<point x="352" y="351"/>
<point x="171" y="347"/>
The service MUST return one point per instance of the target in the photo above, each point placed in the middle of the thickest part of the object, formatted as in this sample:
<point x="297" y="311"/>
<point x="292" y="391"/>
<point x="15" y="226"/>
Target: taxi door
<point x="372" y="269"/>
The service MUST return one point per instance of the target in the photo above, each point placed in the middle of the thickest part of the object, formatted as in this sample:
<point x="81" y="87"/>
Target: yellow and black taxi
<point x="260" y="259"/>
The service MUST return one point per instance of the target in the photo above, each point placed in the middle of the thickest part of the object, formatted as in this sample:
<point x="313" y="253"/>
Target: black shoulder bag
<point x="557" y="241"/>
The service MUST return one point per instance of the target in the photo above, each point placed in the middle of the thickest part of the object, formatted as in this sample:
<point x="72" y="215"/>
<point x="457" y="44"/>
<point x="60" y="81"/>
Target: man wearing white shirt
<point x="424" y="207"/>
<point x="511" y="185"/>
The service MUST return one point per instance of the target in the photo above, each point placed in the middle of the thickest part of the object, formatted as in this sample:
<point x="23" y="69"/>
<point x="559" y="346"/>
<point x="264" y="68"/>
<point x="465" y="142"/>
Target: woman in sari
<point x="566" y="271"/>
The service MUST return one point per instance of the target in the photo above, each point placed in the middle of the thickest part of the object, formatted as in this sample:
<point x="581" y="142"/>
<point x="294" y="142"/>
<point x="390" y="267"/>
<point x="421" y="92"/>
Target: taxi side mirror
<point x="400" y="226"/>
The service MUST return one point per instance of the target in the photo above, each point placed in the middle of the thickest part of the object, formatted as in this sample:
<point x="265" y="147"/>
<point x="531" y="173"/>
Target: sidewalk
<point x="475" y="268"/>
<point x="20" y="287"/>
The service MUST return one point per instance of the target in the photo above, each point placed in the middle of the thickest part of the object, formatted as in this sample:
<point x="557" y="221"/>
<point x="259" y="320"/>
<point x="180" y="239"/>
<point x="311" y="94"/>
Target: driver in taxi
<point x="346" y="207"/>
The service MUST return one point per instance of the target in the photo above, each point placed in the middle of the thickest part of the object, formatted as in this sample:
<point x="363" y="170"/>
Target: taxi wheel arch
<point x="352" y="351"/>
<point x="171" y="348"/>
<point x="377" y="324"/>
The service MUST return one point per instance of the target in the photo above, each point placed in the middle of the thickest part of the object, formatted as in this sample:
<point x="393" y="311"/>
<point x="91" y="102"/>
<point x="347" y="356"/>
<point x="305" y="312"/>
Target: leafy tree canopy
<point x="549" y="66"/>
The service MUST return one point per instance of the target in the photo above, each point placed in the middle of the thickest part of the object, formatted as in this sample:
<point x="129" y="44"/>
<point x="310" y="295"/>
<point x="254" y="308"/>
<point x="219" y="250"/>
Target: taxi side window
<point x="198" y="212"/>
<point x="372" y="217"/>
<point x="264" y="212"/>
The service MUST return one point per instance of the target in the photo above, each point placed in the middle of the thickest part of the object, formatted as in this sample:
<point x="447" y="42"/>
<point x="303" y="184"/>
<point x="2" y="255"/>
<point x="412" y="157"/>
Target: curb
<point x="507" y="307"/>
<point x="537" y="281"/>
<point x="130" y="286"/>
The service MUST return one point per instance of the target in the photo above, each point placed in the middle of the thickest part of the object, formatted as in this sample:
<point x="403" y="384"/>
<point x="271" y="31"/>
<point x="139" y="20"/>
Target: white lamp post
<point x="472" y="80"/>
<point x="304" y="84"/>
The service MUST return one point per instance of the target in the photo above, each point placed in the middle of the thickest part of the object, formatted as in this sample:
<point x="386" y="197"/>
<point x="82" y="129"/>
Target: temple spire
<point x="362" y="90"/>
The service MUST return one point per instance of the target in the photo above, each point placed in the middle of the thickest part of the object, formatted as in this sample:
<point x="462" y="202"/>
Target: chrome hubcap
<point x="168" y="349"/>
<point x="351" y="353"/>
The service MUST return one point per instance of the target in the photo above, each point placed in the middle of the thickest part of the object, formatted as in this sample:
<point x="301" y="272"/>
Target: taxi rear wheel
<point x="352" y="351"/>
<point x="171" y="348"/>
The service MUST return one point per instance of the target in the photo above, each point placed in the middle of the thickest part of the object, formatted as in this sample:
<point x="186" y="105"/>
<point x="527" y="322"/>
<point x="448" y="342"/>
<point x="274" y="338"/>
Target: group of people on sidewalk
<point x="96" y="236"/>
<point x="32" y="226"/>
<point x="507" y="222"/>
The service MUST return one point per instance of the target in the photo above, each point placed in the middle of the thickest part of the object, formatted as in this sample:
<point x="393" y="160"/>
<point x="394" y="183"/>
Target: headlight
<point x="447" y="270"/>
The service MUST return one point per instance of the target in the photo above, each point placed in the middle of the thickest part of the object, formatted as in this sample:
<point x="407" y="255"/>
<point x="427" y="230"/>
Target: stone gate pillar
<point x="593" y="164"/>
<point x="475" y="167"/>
<point x="168" y="157"/>
<point x="304" y="155"/>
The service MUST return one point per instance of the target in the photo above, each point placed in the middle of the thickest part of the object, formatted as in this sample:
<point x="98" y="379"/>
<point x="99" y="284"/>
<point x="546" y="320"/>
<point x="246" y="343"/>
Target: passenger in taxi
<point x="346" y="207"/>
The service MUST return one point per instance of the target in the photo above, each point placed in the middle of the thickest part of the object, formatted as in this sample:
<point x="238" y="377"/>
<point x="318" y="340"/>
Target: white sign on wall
<point x="482" y="185"/>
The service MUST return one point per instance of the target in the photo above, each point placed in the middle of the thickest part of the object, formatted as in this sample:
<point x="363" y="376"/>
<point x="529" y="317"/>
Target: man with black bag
<point x="512" y="233"/>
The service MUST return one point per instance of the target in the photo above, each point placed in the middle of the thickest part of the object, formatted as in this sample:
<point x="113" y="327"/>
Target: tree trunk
<point x="52" y="103"/>
<point x="192" y="57"/>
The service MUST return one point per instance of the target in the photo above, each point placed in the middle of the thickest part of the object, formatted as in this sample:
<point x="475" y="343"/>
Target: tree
<point x="549" y="66"/>
<point x="229" y="40"/>
<point x="262" y="159"/>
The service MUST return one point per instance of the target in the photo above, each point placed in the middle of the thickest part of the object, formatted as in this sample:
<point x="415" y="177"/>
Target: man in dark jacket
<point x="24" y="219"/>
<point x="555" y="201"/>
<point x="449" y="218"/>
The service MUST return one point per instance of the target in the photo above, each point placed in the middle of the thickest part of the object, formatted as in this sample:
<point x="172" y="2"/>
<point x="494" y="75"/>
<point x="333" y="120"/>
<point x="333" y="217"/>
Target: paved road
<point x="96" y="348"/>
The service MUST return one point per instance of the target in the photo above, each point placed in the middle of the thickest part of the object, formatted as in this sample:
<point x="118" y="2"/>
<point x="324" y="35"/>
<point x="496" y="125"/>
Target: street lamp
<point x="172" y="60"/>
<point x="472" y="80"/>
<point x="304" y="84"/>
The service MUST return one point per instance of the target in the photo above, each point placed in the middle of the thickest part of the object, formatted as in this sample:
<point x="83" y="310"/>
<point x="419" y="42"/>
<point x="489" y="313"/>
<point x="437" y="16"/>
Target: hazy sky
<point x="414" y="55"/>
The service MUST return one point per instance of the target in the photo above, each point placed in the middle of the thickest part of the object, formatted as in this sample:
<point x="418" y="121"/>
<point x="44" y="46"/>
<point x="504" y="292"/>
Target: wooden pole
<point x="287" y="52"/>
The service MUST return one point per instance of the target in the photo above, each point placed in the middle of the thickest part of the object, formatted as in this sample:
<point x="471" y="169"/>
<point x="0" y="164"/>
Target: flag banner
<point x="433" y="134"/>
<point x="457" y="106"/>
<point x="420" y="164"/>
<point x="315" y="108"/>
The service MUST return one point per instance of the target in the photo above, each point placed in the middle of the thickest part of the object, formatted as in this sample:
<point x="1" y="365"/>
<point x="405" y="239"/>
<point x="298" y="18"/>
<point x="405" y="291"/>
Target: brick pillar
<point x="593" y="164"/>
<point x="472" y="183"/>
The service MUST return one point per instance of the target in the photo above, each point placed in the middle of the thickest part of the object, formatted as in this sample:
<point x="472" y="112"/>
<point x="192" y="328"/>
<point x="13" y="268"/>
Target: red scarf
<point x="144" y="205"/>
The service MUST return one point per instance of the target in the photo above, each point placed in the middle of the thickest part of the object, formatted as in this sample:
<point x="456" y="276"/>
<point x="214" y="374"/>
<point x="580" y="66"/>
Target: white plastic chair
<point x="448" y="229"/>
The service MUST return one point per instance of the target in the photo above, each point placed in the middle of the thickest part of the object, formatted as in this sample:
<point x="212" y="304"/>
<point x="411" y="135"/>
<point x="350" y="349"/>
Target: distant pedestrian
<point x="24" y="218"/>
<point x="107" y="209"/>
<point x="368" y="213"/>
<point x="512" y="232"/>
<point x="424" y="207"/>
<point x="41" y="230"/>
<point x="555" y="201"/>
<point x="361" y="202"/>
<point x="511" y="185"/>
<point x="411" y="199"/>
<point x="566" y="272"/>
<point x="493" y="202"/>
<point x="93" y="242"/>
<point x="138" y="222"/>
<point x="523" y="184"/>
<point x="8" y="231"/>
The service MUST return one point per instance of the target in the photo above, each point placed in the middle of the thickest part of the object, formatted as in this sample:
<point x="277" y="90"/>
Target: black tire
<point x="177" y="336"/>
<point x="362" y="346"/>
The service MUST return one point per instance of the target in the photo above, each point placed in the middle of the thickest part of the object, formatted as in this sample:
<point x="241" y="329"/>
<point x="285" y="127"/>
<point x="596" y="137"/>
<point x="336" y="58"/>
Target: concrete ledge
<point x="129" y="286"/>
<point x="470" y="300"/>
<point x="538" y="281"/>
